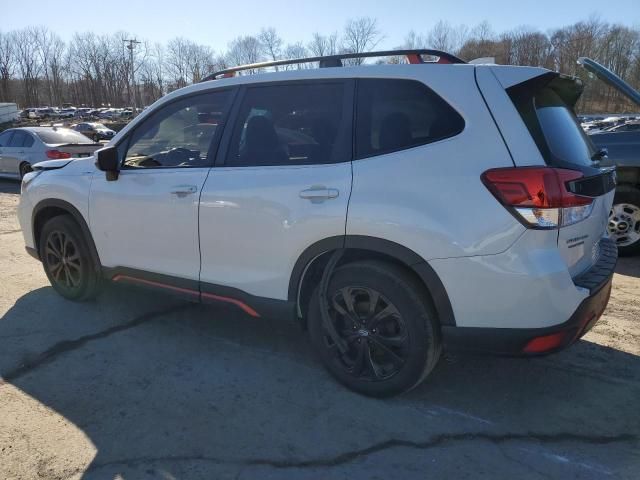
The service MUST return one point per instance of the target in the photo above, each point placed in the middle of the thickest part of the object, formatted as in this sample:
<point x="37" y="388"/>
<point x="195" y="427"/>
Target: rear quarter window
<point x="551" y="120"/>
<point x="394" y="115"/>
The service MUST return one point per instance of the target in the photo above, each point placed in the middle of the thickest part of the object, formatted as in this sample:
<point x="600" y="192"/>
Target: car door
<point x="14" y="153"/>
<point x="5" y="139"/>
<point x="145" y="224"/>
<point x="281" y="184"/>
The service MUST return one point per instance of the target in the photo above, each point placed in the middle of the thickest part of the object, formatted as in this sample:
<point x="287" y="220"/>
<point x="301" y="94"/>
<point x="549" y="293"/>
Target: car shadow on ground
<point x="165" y="389"/>
<point x="9" y="186"/>
<point x="629" y="266"/>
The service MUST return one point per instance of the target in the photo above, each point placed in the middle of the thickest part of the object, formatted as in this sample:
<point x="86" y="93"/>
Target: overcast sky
<point x="215" y="23"/>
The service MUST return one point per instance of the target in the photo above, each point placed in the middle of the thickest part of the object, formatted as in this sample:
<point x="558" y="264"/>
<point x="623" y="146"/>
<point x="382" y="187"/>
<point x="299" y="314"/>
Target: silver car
<point x="22" y="147"/>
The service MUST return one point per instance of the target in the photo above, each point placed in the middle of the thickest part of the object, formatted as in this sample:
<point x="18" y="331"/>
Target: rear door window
<point x="18" y="139"/>
<point x="298" y="123"/>
<point x="27" y="142"/>
<point x="397" y="114"/>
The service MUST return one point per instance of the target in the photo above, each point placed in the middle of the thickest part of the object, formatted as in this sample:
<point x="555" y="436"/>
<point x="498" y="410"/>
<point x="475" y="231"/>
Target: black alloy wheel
<point x="373" y="331"/>
<point x="67" y="259"/>
<point x="383" y="337"/>
<point x="63" y="261"/>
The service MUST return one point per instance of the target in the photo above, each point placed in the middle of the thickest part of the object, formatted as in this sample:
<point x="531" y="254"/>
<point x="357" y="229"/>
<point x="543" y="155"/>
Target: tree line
<point x="38" y="68"/>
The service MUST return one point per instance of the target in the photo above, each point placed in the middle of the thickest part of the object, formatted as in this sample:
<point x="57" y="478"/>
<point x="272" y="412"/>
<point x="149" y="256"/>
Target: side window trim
<point x="349" y="99"/>
<point x="232" y="118"/>
<point x="123" y="145"/>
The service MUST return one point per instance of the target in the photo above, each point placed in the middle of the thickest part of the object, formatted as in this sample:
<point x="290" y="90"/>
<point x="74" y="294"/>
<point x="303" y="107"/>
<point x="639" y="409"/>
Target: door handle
<point x="184" y="190"/>
<point x="319" y="193"/>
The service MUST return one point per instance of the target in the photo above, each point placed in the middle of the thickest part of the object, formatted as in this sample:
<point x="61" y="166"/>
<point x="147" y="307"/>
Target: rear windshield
<point x="553" y="123"/>
<point x="62" y="135"/>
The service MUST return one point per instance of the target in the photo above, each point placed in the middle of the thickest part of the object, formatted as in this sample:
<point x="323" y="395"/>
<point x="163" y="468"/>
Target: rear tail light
<point x="57" y="154"/>
<point x="538" y="196"/>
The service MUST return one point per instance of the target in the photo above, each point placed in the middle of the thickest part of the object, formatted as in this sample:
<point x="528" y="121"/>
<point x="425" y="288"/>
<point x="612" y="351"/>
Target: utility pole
<point x="132" y="44"/>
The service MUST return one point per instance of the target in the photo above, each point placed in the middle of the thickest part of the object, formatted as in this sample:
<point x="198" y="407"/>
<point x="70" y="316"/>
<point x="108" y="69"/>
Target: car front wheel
<point x="67" y="260"/>
<point x="385" y="337"/>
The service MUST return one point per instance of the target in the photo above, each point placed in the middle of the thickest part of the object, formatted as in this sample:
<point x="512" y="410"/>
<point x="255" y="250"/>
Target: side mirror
<point x="108" y="162"/>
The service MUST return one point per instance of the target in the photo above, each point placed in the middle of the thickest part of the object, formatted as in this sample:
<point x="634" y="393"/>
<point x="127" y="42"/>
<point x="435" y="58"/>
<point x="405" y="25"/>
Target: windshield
<point x="62" y="135"/>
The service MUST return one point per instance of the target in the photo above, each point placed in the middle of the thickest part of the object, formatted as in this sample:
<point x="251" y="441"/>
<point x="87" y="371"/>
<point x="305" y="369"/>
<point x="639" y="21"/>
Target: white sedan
<point x="22" y="147"/>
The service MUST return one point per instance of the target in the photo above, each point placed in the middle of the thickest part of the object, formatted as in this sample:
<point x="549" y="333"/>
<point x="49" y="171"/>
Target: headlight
<point x="27" y="179"/>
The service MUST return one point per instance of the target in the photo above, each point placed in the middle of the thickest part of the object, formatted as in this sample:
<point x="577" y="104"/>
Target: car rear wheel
<point x="67" y="260"/>
<point x="624" y="220"/>
<point x="385" y="324"/>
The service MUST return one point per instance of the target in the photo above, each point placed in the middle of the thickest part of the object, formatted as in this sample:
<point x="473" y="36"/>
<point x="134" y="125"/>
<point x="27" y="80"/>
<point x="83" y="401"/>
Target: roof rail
<point x="413" y="56"/>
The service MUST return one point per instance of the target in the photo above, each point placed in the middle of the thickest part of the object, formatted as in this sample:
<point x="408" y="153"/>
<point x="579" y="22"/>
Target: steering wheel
<point x="179" y="155"/>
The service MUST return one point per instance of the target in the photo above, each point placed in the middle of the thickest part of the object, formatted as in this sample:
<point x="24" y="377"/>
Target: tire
<point x="624" y="220"/>
<point x="387" y="356"/>
<point x="24" y="168"/>
<point x="77" y="277"/>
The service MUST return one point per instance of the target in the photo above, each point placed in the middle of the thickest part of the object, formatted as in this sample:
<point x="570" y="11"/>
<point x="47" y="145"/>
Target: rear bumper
<point x="536" y="341"/>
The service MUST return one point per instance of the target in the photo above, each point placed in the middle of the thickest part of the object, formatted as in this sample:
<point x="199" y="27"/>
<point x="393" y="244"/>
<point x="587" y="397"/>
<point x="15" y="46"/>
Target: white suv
<point x="390" y="208"/>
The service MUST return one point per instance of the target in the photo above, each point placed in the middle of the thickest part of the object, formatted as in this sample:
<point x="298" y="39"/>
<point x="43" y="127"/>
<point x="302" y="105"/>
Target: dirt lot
<point x="141" y="386"/>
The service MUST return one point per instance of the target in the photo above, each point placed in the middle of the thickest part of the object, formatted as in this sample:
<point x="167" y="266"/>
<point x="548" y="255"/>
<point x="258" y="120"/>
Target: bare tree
<point x="296" y="50"/>
<point x="152" y="75"/>
<point x="414" y="41"/>
<point x="244" y="50"/>
<point x="37" y="66"/>
<point x="271" y="43"/>
<point x="360" y="35"/>
<point x="442" y="37"/>
<point x="177" y="61"/>
<point x="7" y="63"/>
<point x="525" y="46"/>
<point x="29" y="65"/>
<point x="323" y="45"/>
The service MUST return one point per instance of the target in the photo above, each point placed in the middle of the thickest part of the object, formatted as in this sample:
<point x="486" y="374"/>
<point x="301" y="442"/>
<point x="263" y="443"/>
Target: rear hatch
<point x="610" y="78"/>
<point x="546" y="105"/>
<point x="622" y="147"/>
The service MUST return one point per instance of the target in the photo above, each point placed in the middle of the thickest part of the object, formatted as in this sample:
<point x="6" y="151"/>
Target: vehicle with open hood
<point x="622" y="147"/>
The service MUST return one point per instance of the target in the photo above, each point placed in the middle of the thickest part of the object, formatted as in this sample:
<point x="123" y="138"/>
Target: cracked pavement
<point x="139" y="385"/>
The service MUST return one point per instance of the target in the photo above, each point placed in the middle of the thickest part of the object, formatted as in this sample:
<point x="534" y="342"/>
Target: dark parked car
<point x="622" y="148"/>
<point x="96" y="131"/>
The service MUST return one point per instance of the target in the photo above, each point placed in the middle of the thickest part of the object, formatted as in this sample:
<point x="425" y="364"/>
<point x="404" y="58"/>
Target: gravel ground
<point x="137" y="385"/>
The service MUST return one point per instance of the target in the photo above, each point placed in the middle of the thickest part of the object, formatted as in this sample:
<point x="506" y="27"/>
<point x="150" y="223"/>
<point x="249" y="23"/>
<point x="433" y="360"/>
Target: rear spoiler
<point x="78" y="145"/>
<point x="567" y="87"/>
